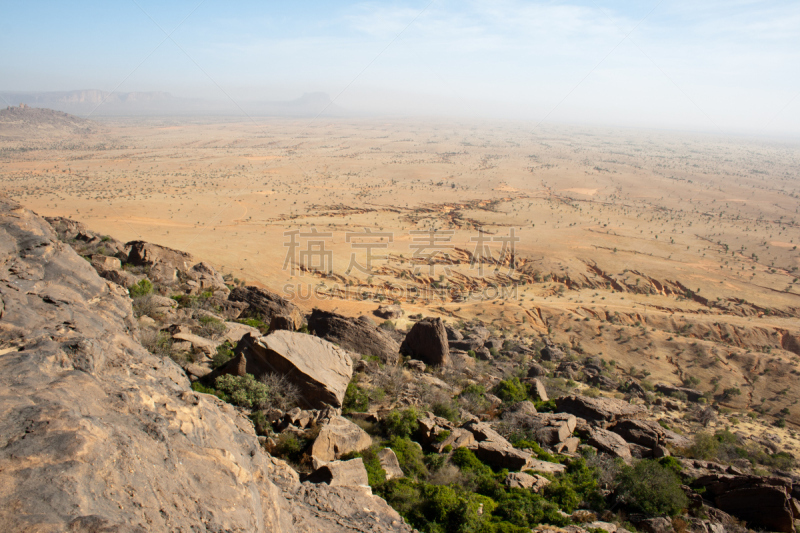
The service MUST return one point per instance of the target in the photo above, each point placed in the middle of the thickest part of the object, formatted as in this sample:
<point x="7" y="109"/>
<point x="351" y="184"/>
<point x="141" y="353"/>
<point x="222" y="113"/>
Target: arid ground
<point x="673" y="255"/>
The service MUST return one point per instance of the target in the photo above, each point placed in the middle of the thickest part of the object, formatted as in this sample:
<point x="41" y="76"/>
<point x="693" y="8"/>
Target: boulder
<point x="521" y="480"/>
<point x="281" y="322"/>
<point x="453" y="334"/>
<point x="341" y="474"/>
<point x="538" y="390"/>
<point x="339" y="437"/>
<point x="465" y="344"/>
<point x="655" y="525"/>
<point x="415" y="365"/>
<point x="599" y="410"/>
<point x="647" y="433"/>
<point x="358" y="336"/>
<point x="552" y="353"/>
<point x="236" y="331"/>
<point x="503" y="455"/>
<point x="762" y="502"/>
<point x="318" y="368"/>
<point x="570" y="445"/>
<point x="483" y="354"/>
<point x="390" y="464"/>
<point x="141" y="253"/>
<point x="163" y="273"/>
<point x="536" y="371"/>
<point x="389" y="312"/>
<point x="692" y="394"/>
<point x="427" y="341"/>
<point x="266" y="304"/>
<point x="120" y="277"/>
<point x="206" y="279"/>
<point x="104" y="262"/>
<point x="201" y="344"/>
<point x="610" y="443"/>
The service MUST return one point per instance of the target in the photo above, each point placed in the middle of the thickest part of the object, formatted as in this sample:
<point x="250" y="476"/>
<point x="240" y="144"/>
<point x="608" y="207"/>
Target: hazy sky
<point x="730" y="65"/>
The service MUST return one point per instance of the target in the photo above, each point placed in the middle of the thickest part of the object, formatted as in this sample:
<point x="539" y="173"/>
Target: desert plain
<point x="672" y="255"/>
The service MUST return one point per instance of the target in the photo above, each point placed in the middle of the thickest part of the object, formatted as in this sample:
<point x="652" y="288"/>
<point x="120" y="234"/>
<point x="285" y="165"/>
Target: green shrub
<point x="243" y="391"/>
<point x="143" y="288"/>
<point x="545" y="407"/>
<point x="223" y="355"/>
<point x="376" y="475"/>
<point x="511" y="390"/>
<point x="199" y="387"/>
<point x="401" y="423"/>
<point x="410" y="457"/>
<point x="651" y="489"/>
<point x="356" y="399"/>
<point x="260" y="423"/>
<point x="446" y="410"/>
<point x="705" y="446"/>
<point x="387" y="325"/>
<point x="211" y="326"/>
<point x="253" y="322"/>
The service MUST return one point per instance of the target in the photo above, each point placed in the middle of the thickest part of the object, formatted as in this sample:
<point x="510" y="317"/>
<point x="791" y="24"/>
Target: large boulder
<point x="389" y="312"/>
<point x="203" y="278"/>
<point x="341" y="474"/>
<point x="100" y="435"/>
<point x="762" y="502"/>
<point x="339" y="437"/>
<point x="356" y="335"/>
<point x="143" y="253"/>
<point x="427" y="341"/>
<point x="647" y="433"/>
<point x="390" y="464"/>
<point x="610" y="443"/>
<point x="521" y="480"/>
<point x="318" y="368"/>
<point x="599" y="410"/>
<point x="267" y="304"/>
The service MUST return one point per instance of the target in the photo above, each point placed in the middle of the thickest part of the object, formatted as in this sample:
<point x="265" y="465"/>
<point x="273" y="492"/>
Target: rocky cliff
<point x="98" y="434"/>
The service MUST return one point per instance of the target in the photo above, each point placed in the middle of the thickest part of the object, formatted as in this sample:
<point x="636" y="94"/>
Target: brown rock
<point x="538" y="390"/>
<point x="319" y="369"/>
<point x="521" y="480"/>
<point x="610" y="443"/>
<point x="206" y="278"/>
<point x="389" y="312"/>
<point x="390" y="464"/>
<point x="339" y="437"/>
<point x="427" y="341"/>
<point x="645" y="433"/>
<point x="762" y="502"/>
<point x="341" y="474"/>
<point x="266" y="304"/>
<point x="143" y="253"/>
<point x="599" y="410"/>
<point x="358" y="336"/>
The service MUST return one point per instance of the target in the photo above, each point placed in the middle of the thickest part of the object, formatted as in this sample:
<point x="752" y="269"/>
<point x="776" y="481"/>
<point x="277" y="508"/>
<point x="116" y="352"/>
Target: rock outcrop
<point x="356" y="335"/>
<point x="97" y="434"/>
<point x="266" y="304"/>
<point x="427" y="341"/>
<point x="599" y="410"/>
<point x="339" y="437"/>
<point x="318" y="368"/>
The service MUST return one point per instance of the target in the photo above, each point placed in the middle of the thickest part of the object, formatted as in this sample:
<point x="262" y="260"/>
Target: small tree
<point x="651" y="489"/>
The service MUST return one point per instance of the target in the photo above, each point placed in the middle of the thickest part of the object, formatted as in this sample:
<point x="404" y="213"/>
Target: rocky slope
<point x="98" y="434"/>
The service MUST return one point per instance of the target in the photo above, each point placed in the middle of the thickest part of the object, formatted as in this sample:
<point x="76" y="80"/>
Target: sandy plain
<point x="673" y="255"/>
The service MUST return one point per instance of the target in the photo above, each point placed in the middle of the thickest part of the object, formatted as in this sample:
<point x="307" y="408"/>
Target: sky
<point x="729" y="66"/>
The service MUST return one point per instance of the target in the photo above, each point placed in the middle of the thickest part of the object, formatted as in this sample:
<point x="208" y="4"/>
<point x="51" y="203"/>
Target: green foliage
<point x="260" y="423"/>
<point x="651" y="489"/>
<point x="199" y="387"/>
<point x="511" y="390"/>
<point x="465" y="459"/>
<point x="223" y="355"/>
<point x="520" y="441"/>
<point x="705" y="446"/>
<point x="401" y="423"/>
<point x="545" y="407"/>
<point x="577" y="485"/>
<point x="243" y="391"/>
<point x="473" y="388"/>
<point x="410" y="457"/>
<point x="143" y="288"/>
<point x="671" y="463"/>
<point x="442" y="436"/>
<point x="375" y="472"/>
<point x="448" y="410"/>
<point x="211" y="326"/>
<point x="387" y="325"/>
<point x="254" y="322"/>
<point x="356" y="399"/>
